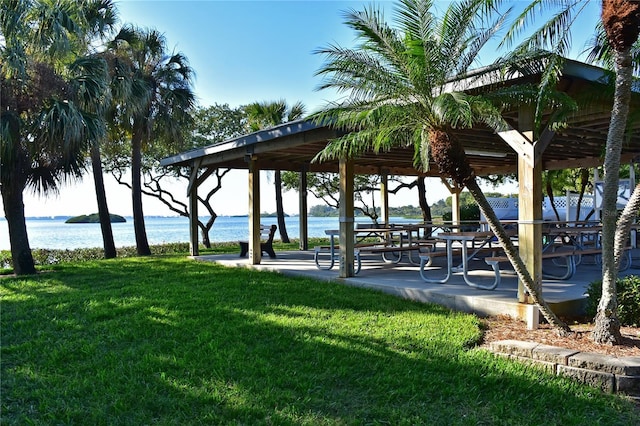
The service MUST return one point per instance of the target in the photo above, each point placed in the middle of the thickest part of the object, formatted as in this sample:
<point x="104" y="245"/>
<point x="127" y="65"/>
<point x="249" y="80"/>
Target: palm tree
<point x="51" y="98"/>
<point x="154" y="96"/>
<point x="619" y="17"/>
<point x="267" y="114"/>
<point x="399" y="94"/>
<point x="621" y="22"/>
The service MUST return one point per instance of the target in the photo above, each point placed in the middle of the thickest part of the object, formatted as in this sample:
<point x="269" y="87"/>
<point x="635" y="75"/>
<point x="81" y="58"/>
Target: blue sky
<point x="246" y="51"/>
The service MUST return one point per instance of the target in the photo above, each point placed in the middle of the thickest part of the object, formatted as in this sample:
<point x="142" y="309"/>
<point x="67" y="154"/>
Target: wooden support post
<point x="303" y="213"/>
<point x="346" y="242"/>
<point x="455" y="191"/>
<point x="530" y="222"/>
<point x="384" y="197"/>
<point x="255" y="253"/>
<point x="194" y="249"/>
<point x="455" y="207"/>
<point x="530" y="217"/>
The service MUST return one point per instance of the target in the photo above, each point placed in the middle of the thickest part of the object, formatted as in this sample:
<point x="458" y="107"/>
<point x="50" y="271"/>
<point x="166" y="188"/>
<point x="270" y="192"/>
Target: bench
<point x="374" y="248"/>
<point x="383" y="250"/>
<point x="596" y="252"/>
<point x="568" y="255"/>
<point x="266" y="233"/>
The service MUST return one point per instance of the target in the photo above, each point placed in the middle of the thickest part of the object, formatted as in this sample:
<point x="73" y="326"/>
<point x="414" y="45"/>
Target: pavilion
<point x="293" y="147"/>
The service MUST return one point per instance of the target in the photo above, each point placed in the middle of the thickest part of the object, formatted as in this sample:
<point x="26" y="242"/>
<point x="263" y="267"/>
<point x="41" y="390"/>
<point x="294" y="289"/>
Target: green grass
<point x="45" y="258"/>
<point x="165" y="340"/>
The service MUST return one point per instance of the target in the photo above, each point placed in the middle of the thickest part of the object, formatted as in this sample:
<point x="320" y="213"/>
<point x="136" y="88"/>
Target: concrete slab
<point x="566" y="297"/>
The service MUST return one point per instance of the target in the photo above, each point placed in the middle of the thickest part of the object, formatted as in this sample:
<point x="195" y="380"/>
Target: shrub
<point x="44" y="257"/>
<point x="628" y="291"/>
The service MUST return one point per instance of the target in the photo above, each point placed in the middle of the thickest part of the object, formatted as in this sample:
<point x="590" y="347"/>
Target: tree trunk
<point x="206" y="228"/>
<point x="448" y="153"/>
<point x="103" y="209"/>
<point x="280" y="207"/>
<point x="204" y="231"/>
<point x="607" y="325"/>
<point x="13" y="201"/>
<point x="514" y="257"/>
<point x="142" y="245"/>
<point x="623" y="228"/>
<point x="424" y="206"/>
<point x="584" y="182"/>
<point x="549" y="189"/>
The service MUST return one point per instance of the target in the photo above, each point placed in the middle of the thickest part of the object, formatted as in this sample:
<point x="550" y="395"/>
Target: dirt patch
<point x="507" y="328"/>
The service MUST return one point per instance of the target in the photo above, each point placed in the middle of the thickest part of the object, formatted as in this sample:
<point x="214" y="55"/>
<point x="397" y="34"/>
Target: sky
<point x="242" y="52"/>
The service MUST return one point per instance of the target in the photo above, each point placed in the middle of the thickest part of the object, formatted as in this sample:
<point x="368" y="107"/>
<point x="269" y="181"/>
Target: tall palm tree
<point x="621" y="22"/>
<point x="154" y="97"/>
<point x="399" y="83"/>
<point x="555" y="35"/>
<point x="103" y="21"/>
<point x="267" y="114"/>
<point x="51" y="98"/>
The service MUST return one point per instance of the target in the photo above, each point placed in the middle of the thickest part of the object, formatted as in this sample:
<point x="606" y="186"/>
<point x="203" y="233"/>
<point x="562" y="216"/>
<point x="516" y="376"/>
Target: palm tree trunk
<point x="142" y="245"/>
<point x="13" y="201"/>
<point x="103" y="209"/>
<point x="280" y="207"/>
<point x="623" y="229"/>
<point x="449" y="155"/>
<point x="607" y="325"/>
<point x="514" y="257"/>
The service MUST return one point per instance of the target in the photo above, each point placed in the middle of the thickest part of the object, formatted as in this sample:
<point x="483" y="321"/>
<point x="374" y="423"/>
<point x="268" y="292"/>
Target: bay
<point x="53" y="233"/>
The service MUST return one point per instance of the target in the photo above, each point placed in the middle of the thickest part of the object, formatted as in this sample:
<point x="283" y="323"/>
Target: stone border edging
<point x="611" y="374"/>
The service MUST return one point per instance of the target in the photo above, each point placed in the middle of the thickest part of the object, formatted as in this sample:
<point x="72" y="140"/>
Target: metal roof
<point x="292" y="146"/>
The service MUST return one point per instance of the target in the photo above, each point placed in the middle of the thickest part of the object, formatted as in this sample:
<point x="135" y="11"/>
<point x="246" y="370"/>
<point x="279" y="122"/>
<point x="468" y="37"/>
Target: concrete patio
<point x="566" y="297"/>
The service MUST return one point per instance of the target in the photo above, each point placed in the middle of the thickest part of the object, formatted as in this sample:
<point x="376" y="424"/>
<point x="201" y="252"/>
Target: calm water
<point x="55" y="234"/>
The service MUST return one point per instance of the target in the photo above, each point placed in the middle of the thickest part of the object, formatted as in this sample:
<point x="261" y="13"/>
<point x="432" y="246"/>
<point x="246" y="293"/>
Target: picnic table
<point x="389" y="242"/>
<point x="474" y="241"/>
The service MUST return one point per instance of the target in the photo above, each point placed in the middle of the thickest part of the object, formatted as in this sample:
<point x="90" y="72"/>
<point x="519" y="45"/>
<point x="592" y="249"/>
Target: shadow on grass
<point x="169" y="341"/>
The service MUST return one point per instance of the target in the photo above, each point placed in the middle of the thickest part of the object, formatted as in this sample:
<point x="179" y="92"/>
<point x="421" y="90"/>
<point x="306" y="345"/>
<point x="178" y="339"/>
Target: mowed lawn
<point x="170" y="341"/>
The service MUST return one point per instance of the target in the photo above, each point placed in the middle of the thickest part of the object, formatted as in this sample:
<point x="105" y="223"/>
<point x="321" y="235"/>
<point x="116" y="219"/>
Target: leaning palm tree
<point x="619" y="18"/>
<point x="266" y="114"/>
<point x="154" y="99"/>
<point x="51" y="96"/>
<point x="399" y="85"/>
<point x="621" y="22"/>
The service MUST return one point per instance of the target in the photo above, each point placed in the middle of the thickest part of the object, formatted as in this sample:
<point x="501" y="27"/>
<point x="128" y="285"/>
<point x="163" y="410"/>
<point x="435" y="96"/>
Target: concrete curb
<point x="611" y="374"/>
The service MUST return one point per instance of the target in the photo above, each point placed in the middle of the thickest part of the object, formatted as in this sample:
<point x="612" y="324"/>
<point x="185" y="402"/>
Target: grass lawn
<point x="166" y="340"/>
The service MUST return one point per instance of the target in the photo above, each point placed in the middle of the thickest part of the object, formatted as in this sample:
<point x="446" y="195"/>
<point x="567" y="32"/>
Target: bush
<point x="628" y="291"/>
<point x="44" y="257"/>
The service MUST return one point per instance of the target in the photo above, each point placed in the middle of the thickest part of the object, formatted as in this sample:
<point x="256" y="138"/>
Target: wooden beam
<point x="303" y="213"/>
<point x="519" y="144"/>
<point x="530" y="203"/>
<point x="384" y="197"/>
<point x="542" y="143"/>
<point x="194" y="248"/>
<point x="205" y="175"/>
<point x="455" y="191"/>
<point x="193" y="177"/>
<point x="346" y="241"/>
<point x="255" y="253"/>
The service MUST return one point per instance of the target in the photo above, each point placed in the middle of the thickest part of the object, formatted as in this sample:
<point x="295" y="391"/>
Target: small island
<point x="94" y="218"/>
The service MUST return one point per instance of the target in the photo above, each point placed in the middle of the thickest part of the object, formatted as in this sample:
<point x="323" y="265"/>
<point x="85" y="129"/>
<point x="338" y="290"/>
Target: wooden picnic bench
<point x="266" y="233"/>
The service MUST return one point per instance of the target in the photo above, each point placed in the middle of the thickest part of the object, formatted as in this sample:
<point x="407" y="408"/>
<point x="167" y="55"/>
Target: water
<point x="53" y="233"/>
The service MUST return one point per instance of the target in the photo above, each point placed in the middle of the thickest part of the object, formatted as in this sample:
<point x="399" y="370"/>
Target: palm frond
<point x="90" y="83"/>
